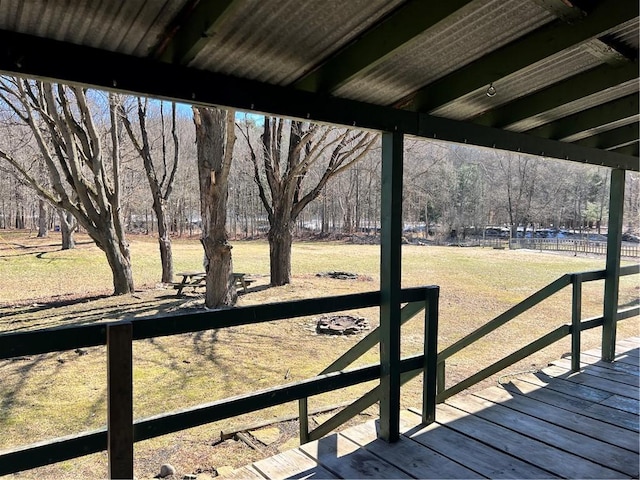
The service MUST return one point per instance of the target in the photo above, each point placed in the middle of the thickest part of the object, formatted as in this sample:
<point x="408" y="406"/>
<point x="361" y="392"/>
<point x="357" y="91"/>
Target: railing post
<point x="303" y="415"/>
<point x="576" y="318"/>
<point x="441" y="379"/>
<point x="612" y="279"/>
<point x="120" y="400"/>
<point x="430" y="374"/>
<point x="390" y="283"/>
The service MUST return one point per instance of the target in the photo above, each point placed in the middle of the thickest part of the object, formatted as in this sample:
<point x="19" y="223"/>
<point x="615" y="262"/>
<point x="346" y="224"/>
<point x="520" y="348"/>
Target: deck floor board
<point x="549" y="424"/>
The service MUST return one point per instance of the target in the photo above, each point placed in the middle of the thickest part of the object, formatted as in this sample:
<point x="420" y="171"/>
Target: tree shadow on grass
<point x="80" y="311"/>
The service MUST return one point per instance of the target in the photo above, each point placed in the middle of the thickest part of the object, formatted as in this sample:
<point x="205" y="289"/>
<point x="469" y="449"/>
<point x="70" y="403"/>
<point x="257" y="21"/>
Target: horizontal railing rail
<point x="68" y="338"/>
<point x="577" y="325"/>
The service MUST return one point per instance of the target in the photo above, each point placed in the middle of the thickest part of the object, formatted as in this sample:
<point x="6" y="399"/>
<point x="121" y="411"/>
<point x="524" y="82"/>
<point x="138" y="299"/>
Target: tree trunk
<point x="43" y="231"/>
<point x="164" y="241"/>
<point x="280" y="239"/>
<point x="119" y="262"/>
<point x="67" y="228"/>
<point x="215" y="138"/>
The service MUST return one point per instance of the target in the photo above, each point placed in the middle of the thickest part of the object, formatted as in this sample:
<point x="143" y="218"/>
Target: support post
<point x="390" y="285"/>
<point x="576" y="319"/>
<point x="303" y="416"/>
<point x="441" y="372"/>
<point x="612" y="279"/>
<point x="120" y="400"/>
<point x="430" y="372"/>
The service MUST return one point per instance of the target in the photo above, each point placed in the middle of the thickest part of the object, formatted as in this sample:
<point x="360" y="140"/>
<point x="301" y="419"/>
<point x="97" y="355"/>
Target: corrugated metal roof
<point x="277" y="42"/>
<point x="480" y="27"/>
<point x="125" y="26"/>
<point x="524" y="82"/>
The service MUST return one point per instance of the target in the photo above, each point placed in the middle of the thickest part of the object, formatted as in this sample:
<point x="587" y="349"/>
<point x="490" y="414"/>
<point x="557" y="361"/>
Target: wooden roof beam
<point x="189" y="31"/>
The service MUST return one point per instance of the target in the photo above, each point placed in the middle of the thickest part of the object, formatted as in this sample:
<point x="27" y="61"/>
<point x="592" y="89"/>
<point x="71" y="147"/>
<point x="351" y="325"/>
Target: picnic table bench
<point x="197" y="279"/>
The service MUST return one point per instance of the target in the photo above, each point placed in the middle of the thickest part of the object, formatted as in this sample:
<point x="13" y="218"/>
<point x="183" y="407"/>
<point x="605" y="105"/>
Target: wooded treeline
<point x="113" y="165"/>
<point x="445" y="184"/>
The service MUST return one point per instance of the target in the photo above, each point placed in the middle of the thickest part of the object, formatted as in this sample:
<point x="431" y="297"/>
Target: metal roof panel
<point x="125" y="26"/>
<point x="277" y="42"/>
<point x="476" y="29"/>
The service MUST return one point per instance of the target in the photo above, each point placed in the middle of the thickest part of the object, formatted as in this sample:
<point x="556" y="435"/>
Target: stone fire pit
<point x="341" y="325"/>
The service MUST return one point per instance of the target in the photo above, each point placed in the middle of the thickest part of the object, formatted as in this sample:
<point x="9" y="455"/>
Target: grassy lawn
<point x="63" y="393"/>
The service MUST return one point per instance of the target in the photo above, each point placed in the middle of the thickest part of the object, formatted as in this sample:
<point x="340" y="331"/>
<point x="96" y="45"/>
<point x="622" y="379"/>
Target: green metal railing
<point x="122" y="431"/>
<point x="574" y="329"/>
<point x="409" y="311"/>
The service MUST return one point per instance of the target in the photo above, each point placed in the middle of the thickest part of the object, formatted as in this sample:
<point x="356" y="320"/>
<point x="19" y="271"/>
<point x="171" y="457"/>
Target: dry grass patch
<point x="51" y="395"/>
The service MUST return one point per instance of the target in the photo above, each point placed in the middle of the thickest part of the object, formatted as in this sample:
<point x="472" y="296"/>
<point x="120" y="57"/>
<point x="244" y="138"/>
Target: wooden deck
<point x="550" y="424"/>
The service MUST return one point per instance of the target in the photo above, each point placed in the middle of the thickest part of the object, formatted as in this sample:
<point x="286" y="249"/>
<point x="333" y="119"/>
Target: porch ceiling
<point x="565" y="73"/>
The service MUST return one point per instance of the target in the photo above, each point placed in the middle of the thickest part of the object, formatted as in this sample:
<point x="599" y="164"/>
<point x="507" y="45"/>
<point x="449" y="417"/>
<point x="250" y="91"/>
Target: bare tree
<point x="289" y="150"/>
<point x="520" y="177"/>
<point x="76" y="151"/>
<point x="215" y="138"/>
<point x="160" y="174"/>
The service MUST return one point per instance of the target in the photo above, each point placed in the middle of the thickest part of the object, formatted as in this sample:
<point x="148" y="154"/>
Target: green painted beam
<point x="467" y="133"/>
<point x="612" y="280"/>
<point x="568" y="90"/>
<point x="52" y="451"/>
<point x="614" y="111"/>
<point x="535" y="346"/>
<point x="34" y="57"/>
<point x="195" y="25"/>
<point x="525" y="51"/>
<point x="612" y="138"/>
<point x="399" y="28"/>
<point x="390" y="281"/>
<point x="78" y="336"/>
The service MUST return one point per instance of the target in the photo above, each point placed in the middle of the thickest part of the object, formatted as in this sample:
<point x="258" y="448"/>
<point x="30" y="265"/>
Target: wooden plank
<point x="625" y="404"/>
<point x="591" y="449"/>
<point x="596" y="451"/>
<point x="471" y="453"/>
<point x="345" y="459"/>
<point x="291" y="464"/>
<point x="411" y="457"/>
<point x="608" y="415"/>
<point x="621" y="357"/>
<point x="557" y="416"/>
<point x="615" y="366"/>
<point x="247" y="472"/>
<point x="525" y="448"/>
<point x="604" y="384"/>
<point x="601" y="372"/>
<point x="628" y="345"/>
<point x="585" y="392"/>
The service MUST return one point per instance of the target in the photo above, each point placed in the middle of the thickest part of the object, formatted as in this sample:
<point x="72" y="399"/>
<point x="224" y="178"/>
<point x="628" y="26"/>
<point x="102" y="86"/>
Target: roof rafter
<point x="527" y="50"/>
<point x="630" y="149"/>
<point x="400" y="27"/>
<point x="189" y="31"/>
<point x="610" y="112"/>
<point x="561" y="93"/>
<point x="611" y="139"/>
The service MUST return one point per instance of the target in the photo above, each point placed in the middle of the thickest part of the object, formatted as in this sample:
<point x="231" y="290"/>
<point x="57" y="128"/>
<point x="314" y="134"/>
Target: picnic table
<point x="190" y="279"/>
<point x="197" y="279"/>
